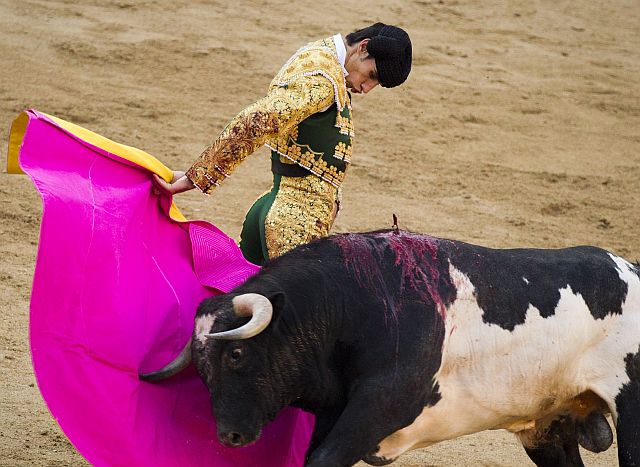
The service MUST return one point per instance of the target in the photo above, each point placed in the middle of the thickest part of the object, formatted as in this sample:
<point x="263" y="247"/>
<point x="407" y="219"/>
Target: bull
<point x="396" y="341"/>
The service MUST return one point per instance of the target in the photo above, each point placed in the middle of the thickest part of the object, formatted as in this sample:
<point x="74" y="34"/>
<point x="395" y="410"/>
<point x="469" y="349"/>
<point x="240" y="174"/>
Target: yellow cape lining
<point x="134" y="155"/>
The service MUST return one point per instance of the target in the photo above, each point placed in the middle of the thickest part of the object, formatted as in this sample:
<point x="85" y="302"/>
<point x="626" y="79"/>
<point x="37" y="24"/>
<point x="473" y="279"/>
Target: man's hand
<point x="179" y="183"/>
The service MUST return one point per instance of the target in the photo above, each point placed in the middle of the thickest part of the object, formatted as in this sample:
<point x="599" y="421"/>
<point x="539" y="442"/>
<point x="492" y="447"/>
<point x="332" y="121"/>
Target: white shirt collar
<point x="341" y="51"/>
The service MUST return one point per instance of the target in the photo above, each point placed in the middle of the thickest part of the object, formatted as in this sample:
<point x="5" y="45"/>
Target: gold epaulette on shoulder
<point x="315" y="59"/>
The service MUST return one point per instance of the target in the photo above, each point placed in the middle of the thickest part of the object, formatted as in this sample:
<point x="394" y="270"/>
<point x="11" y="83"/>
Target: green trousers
<point x="252" y="238"/>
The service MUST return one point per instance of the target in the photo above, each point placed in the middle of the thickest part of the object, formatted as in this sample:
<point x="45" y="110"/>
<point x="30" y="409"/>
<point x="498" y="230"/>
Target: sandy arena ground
<point x="519" y="126"/>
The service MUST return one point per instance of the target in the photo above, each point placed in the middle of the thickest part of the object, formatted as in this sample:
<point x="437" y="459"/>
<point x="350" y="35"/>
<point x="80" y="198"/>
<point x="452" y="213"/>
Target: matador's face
<point x="363" y="75"/>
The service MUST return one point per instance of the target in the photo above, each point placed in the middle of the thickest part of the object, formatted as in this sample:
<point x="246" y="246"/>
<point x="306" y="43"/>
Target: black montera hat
<point x="391" y="49"/>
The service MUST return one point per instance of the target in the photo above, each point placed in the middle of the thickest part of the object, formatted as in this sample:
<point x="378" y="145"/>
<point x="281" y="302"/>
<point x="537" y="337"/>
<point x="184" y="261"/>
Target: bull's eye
<point x="235" y="356"/>
<point x="236" y="353"/>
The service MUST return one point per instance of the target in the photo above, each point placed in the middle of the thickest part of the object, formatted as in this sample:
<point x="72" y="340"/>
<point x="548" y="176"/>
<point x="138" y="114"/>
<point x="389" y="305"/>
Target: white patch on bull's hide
<point x="203" y="326"/>
<point x="526" y="281"/>
<point x="492" y="378"/>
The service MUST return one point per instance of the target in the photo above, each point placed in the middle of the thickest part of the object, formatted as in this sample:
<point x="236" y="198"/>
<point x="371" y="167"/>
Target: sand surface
<point x="519" y="126"/>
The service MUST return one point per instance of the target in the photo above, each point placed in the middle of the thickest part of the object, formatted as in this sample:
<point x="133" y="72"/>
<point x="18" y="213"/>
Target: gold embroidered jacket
<point x="309" y="82"/>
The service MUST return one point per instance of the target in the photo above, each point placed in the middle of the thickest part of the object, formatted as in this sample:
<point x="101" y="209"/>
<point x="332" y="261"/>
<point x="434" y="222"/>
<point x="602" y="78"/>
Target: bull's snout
<point x="232" y="439"/>
<point x="236" y="439"/>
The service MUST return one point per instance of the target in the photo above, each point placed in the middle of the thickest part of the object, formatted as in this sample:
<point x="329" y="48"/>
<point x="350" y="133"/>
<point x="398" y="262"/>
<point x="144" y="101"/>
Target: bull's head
<point x="241" y="366"/>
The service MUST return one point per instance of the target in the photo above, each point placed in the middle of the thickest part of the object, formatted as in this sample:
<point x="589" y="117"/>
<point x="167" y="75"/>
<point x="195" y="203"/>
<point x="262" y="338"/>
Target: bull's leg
<point x="557" y="446"/>
<point x="368" y="418"/>
<point x="628" y="408"/>
<point x="324" y="422"/>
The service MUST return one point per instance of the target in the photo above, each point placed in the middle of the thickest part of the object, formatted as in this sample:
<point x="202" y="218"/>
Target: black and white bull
<point x="397" y="341"/>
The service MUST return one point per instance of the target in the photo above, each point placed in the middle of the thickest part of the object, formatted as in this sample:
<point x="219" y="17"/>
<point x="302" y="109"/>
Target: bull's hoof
<point x="372" y="459"/>
<point x="594" y="433"/>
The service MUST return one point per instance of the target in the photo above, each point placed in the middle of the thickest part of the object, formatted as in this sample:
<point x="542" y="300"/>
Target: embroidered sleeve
<point x="277" y="113"/>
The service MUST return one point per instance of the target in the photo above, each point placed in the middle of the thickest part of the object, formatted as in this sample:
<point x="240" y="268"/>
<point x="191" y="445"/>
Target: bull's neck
<point x="317" y="351"/>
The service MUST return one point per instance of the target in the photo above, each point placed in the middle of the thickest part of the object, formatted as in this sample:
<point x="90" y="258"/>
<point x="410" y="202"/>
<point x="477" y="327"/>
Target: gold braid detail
<point x="221" y="158"/>
<point x="303" y="210"/>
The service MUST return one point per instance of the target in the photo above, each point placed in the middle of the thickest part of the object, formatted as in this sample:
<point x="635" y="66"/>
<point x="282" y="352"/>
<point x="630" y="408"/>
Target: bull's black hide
<point x="359" y="336"/>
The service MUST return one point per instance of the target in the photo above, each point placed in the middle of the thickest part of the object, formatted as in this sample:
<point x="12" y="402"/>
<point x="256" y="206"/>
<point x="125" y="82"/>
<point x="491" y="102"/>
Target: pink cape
<point x="116" y="285"/>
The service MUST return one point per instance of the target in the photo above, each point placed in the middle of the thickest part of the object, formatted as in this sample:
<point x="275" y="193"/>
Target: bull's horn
<point x="176" y="366"/>
<point x="250" y="304"/>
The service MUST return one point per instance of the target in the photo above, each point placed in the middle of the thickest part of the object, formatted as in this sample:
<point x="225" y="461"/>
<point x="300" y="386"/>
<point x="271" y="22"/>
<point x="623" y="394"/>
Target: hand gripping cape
<point x="118" y="277"/>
